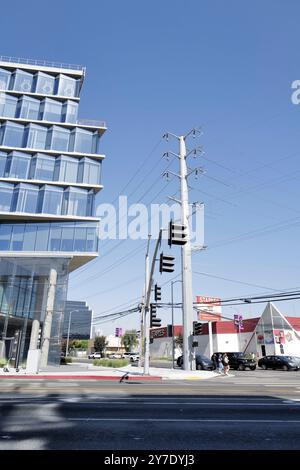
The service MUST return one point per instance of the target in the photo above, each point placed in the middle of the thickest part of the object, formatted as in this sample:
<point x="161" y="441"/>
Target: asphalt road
<point x="247" y="410"/>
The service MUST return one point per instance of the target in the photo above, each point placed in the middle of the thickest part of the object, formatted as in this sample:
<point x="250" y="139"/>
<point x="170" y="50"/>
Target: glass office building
<point x="50" y="172"/>
<point x="78" y="319"/>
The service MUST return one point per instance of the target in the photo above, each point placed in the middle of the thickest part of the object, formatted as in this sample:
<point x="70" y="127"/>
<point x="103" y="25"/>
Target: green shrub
<point x="111" y="362"/>
<point x="3" y="362"/>
<point x="65" y="360"/>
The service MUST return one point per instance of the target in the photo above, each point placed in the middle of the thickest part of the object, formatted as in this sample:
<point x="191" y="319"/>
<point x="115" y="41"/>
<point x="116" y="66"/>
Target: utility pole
<point x="147" y="306"/>
<point x="186" y="252"/>
<point x="143" y="323"/>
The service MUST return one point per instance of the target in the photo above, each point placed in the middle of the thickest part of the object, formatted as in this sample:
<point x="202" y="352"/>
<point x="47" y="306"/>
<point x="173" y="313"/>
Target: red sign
<point x="209" y="308"/>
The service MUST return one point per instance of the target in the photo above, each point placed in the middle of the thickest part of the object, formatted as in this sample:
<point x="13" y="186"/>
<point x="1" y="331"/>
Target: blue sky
<point x="172" y="65"/>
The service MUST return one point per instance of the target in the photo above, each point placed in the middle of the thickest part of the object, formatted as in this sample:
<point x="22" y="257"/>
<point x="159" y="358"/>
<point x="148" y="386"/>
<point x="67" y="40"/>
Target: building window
<point x="58" y="139"/>
<point x="17" y="237"/>
<point x="5" y="76"/>
<point x="25" y="198"/>
<point x="55" y="237"/>
<point x="42" y="167"/>
<point x="50" y="200"/>
<point x="3" y="156"/>
<point x="22" y="81"/>
<point x="77" y="202"/>
<point x="83" y="141"/>
<point x="35" y="136"/>
<point x="89" y="171"/>
<point x="8" y="105"/>
<point x="17" y="165"/>
<point x="66" y="169"/>
<point x="6" y="194"/>
<point x="70" y="112"/>
<point x="11" y="135"/>
<point x="44" y="83"/>
<point x="67" y="86"/>
<point x="67" y="238"/>
<point x="51" y="110"/>
<point x="28" y="108"/>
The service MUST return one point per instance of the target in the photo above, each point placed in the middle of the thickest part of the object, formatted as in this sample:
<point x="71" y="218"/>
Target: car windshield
<point x="237" y="354"/>
<point x="203" y="358"/>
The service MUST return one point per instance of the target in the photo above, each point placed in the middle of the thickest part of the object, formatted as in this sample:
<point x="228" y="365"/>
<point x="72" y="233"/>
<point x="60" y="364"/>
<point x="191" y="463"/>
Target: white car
<point x="95" y="355"/>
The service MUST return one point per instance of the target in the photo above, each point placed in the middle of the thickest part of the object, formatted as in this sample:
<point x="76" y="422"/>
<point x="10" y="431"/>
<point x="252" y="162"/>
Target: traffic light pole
<point x="147" y="307"/>
<point x="143" y="319"/>
<point x="187" y="291"/>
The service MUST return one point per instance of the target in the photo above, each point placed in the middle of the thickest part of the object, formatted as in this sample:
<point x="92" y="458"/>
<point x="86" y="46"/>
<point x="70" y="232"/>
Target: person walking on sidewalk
<point x="220" y="363"/>
<point x="225" y="362"/>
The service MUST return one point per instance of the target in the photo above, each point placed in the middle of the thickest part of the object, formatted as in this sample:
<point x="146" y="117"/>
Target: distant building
<point x="80" y="317"/>
<point x="270" y="334"/>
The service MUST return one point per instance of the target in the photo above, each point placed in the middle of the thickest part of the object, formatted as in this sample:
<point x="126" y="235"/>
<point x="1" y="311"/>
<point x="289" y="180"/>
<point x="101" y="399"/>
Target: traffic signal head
<point x="177" y="234"/>
<point x="154" y="322"/>
<point x="157" y="293"/>
<point x="166" y="264"/>
<point x="197" y="328"/>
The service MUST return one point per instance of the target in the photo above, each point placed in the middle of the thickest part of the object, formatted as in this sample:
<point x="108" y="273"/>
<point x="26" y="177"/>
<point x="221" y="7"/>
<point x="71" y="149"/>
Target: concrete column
<point x="48" y="317"/>
<point x="35" y="328"/>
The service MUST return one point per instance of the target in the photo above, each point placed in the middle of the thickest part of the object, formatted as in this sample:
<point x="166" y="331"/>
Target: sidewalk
<point x="90" y="372"/>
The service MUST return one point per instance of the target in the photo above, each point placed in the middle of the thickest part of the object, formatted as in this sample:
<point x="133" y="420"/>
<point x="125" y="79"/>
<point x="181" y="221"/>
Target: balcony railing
<point x="42" y="63"/>
<point x="91" y="122"/>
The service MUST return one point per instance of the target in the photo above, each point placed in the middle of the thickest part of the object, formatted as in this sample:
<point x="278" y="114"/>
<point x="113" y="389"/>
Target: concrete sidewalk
<point x="90" y="372"/>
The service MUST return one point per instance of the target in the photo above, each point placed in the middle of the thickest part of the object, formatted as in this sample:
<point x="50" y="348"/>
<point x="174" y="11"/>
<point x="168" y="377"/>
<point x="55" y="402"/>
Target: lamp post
<point x="172" y="301"/>
<point x="70" y="316"/>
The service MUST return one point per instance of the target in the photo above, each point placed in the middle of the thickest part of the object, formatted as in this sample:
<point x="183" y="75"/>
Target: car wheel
<point x="285" y="367"/>
<point x="263" y="366"/>
<point x="252" y="367"/>
<point x="241" y="367"/>
<point x="199" y="367"/>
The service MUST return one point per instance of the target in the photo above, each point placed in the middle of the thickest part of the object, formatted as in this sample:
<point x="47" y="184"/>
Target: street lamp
<point x="172" y="301"/>
<point x="70" y="315"/>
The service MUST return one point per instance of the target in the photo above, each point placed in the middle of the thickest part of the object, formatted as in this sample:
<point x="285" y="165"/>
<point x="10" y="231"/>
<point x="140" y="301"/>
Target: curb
<point x="81" y="377"/>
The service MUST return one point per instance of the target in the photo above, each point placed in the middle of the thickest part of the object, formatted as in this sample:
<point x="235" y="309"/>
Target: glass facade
<point x="43" y="201"/>
<point x="17" y="165"/>
<point x="54" y="236"/>
<point x="89" y="171"/>
<point x="8" y="105"/>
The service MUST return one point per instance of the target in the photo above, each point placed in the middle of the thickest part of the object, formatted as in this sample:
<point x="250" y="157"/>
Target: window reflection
<point x="28" y="108"/>
<point x="6" y="194"/>
<point x="44" y="83"/>
<point x="22" y="81"/>
<point x="42" y="167"/>
<point x="8" y="105"/>
<point x="51" y="110"/>
<point x="5" y="76"/>
<point x="11" y="135"/>
<point x="17" y="165"/>
<point x="66" y="169"/>
<point x="58" y="139"/>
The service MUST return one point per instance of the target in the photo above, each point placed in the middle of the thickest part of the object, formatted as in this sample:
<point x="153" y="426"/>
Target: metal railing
<point x="91" y="122"/>
<point x="43" y="63"/>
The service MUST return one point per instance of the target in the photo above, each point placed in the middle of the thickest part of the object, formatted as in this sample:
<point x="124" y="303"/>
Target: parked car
<point x="280" y="362"/>
<point x="115" y="356"/>
<point x="202" y="362"/>
<point x="134" y="358"/>
<point x="95" y="355"/>
<point x="129" y="355"/>
<point x="238" y="360"/>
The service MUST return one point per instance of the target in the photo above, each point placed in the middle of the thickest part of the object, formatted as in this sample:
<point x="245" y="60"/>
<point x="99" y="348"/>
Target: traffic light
<point x="197" y="328"/>
<point x="166" y="264"/>
<point x="157" y="293"/>
<point x="154" y="322"/>
<point x="177" y="234"/>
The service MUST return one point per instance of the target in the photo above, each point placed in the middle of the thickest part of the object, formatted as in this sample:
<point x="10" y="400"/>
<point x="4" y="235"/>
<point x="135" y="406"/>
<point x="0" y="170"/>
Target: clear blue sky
<point x="171" y="65"/>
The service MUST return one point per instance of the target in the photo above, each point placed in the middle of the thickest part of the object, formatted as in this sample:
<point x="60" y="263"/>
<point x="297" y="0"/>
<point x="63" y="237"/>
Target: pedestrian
<point x="225" y="362"/>
<point x="220" y="363"/>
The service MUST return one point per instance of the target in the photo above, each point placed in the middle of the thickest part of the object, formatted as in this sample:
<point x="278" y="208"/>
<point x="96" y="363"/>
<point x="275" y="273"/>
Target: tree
<point x="130" y="339"/>
<point x="100" y="343"/>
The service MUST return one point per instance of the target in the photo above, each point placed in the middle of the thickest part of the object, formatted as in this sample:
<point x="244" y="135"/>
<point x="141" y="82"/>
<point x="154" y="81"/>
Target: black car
<point x="202" y="362"/>
<point x="238" y="360"/>
<point x="280" y="362"/>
